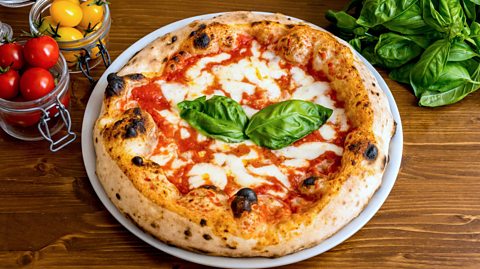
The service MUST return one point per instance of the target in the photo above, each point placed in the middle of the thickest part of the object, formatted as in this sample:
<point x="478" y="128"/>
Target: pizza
<point x="243" y="135"/>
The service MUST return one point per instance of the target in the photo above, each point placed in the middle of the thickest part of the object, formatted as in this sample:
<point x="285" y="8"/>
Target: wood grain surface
<point x="50" y="217"/>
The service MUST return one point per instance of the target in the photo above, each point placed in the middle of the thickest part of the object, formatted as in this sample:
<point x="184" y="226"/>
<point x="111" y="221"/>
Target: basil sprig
<point x="432" y="45"/>
<point x="276" y="126"/>
<point x="218" y="117"/>
<point x="281" y="124"/>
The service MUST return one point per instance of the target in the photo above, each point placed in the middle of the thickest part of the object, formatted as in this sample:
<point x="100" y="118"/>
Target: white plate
<point x="93" y="109"/>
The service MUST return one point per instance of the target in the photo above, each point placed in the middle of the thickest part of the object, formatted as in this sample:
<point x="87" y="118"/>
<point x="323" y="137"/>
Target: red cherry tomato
<point x="9" y="84"/>
<point x="41" y="51"/>
<point x="23" y="119"/>
<point x="11" y="54"/>
<point x="35" y="83"/>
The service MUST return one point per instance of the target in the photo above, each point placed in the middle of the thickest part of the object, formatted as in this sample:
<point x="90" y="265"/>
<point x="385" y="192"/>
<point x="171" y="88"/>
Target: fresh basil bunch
<point x="276" y="126"/>
<point x="433" y="45"/>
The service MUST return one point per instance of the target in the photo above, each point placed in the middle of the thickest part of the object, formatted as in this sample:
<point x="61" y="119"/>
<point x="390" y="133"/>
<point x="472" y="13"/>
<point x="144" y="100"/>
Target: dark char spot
<point x="207" y="237"/>
<point x="209" y="187"/>
<point x="371" y="152"/>
<point x="201" y="41"/>
<point x="130" y="132"/>
<point x="136" y="76"/>
<point x="174" y="38"/>
<point x="187" y="232"/>
<point x="137" y="160"/>
<point x="203" y="222"/>
<point x="118" y="196"/>
<point x="115" y="85"/>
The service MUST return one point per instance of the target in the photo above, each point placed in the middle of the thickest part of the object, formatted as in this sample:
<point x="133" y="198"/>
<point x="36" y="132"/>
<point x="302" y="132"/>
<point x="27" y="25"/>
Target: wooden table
<point x="50" y="217"/>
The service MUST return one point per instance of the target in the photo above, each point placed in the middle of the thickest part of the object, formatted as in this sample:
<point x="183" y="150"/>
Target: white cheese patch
<point x="270" y="170"/>
<point x="197" y="86"/>
<point x="249" y="111"/>
<point x="170" y="152"/>
<point x="309" y="150"/>
<point x="201" y="138"/>
<point x="235" y="166"/>
<point x="252" y="154"/>
<point x="237" y="88"/>
<point x="184" y="133"/>
<point x="170" y="116"/>
<point x="255" y="49"/>
<point x="339" y="118"/>
<point x="315" y="92"/>
<point x="196" y="69"/>
<point x="215" y="174"/>
<point x="327" y="132"/>
<point x="300" y="77"/>
<point x="173" y="92"/>
<point x="295" y="163"/>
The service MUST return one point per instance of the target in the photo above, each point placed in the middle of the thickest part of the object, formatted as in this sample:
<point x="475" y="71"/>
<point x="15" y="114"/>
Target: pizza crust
<point x="155" y="213"/>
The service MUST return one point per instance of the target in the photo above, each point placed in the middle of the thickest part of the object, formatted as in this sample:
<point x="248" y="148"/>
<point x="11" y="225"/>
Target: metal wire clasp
<point x="86" y="57"/>
<point x="45" y="130"/>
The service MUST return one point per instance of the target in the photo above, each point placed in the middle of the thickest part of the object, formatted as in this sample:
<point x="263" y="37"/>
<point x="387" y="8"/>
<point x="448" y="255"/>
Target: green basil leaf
<point x="395" y="50"/>
<point x="470" y="9"/>
<point x="430" y="66"/>
<point x="476" y="2"/>
<point x="371" y="56"/>
<point x="344" y="22"/>
<point x="432" y="17"/>
<point x="218" y="117"/>
<point x="375" y="12"/>
<point x="453" y="75"/>
<point x="356" y="43"/>
<point x="475" y="33"/>
<point x="281" y="124"/>
<point x="452" y="95"/>
<point x="409" y="22"/>
<point x="402" y="74"/>
<point x="460" y="51"/>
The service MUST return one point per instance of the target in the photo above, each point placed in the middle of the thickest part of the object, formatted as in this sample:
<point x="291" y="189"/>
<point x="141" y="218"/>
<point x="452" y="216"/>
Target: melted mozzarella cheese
<point x="327" y="132"/>
<point x="315" y="92"/>
<point x="339" y="118"/>
<point x="173" y="92"/>
<point x="170" y="115"/>
<point x="271" y="170"/>
<point x="184" y="133"/>
<point x="249" y="111"/>
<point x="237" y="88"/>
<point x="214" y="173"/>
<point x="300" y="77"/>
<point x="295" y="162"/>
<point x="235" y="166"/>
<point x="308" y="151"/>
<point x="195" y="70"/>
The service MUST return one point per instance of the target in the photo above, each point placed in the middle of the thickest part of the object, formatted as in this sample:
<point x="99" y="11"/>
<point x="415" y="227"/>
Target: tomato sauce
<point x="151" y="99"/>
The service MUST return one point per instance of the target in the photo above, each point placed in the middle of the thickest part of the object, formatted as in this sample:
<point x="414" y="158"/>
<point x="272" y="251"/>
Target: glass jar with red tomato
<point x="26" y="116"/>
<point x="80" y="27"/>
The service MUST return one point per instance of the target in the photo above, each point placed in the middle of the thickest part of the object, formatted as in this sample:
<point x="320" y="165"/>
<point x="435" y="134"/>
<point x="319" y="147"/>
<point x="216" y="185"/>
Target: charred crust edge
<point x="115" y="85"/>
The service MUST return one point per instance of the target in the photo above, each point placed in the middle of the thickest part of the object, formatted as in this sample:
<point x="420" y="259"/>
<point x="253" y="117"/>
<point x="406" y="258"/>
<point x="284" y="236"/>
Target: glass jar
<point x="83" y="54"/>
<point x="5" y="31"/>
<point x="44" y="117"/>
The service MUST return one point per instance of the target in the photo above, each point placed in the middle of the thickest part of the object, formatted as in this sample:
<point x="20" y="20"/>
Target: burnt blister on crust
<point x="135" y="125"/>
<point x="201" y="41"/>
<point x="115" y="85"/>
<point x="136" y="76"/>
<point x="371" y="152"/>
<point x="244" y="199"/>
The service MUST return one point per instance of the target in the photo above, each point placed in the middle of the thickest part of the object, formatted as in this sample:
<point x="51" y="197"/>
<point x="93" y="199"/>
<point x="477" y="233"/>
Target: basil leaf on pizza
<point x="281" y="124"/>
<point x="218" y="117"/>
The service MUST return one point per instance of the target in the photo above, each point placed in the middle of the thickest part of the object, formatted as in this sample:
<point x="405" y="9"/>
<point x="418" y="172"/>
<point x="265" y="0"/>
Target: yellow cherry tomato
<point x="92" y="13"/>
<point x="89" y="31"/>
<point x="72" y="57"/>
<point x="66" y="13"/>
<point x="71" y="1"/>
<point x="47" y="25"/>
<point x="67" y="34"/>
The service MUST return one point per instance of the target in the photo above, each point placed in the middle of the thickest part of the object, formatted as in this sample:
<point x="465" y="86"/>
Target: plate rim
<point x="92" y="111"/>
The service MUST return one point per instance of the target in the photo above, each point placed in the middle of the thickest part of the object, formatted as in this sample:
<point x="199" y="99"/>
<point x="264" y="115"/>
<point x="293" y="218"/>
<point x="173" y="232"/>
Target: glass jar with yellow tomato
<point x="80" y="28"/>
